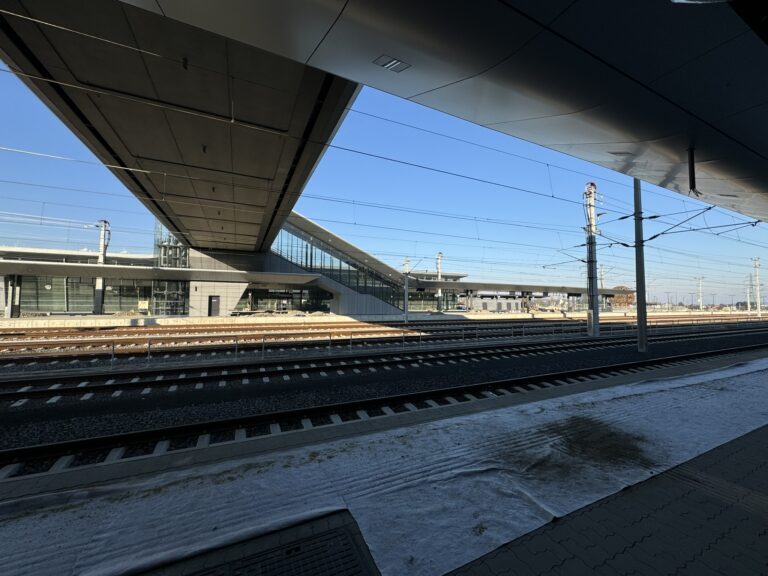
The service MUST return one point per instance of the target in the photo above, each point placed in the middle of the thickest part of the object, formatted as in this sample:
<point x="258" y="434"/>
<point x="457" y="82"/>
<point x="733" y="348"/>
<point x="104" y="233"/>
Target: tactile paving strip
<point x="327" y="546"/>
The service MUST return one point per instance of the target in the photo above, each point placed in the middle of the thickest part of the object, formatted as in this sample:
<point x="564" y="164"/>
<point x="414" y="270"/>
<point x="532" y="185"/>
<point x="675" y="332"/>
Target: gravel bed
<point x="22" y="428"/>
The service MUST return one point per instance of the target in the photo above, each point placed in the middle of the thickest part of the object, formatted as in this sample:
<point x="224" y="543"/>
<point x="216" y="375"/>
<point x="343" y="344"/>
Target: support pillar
<point x="642" y="312"/>
<point x="98" y="296"/>
<point x="13" y="297"/>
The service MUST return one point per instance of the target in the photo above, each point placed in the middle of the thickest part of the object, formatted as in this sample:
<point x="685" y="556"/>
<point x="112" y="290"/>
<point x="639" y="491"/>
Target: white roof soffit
<point x="216" y="137"/>
<point x="112" y="271"/>
<point x="629" y="85"/>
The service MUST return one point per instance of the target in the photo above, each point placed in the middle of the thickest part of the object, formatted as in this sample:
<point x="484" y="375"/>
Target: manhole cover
<point x="330" y="545"/>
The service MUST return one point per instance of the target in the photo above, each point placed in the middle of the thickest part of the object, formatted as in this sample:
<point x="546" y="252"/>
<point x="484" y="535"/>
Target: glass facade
<point x="425" y="301"/>
<point x="126" y="295"/>
<point x="170" y="298"/>
<point x="305" y="300"/>
<point x="169" y="252"/>
<point x="316" y="256"/>
<point x="58" y="295"/>
<point x="44" y="294"/>
<point x="79" y="294"/>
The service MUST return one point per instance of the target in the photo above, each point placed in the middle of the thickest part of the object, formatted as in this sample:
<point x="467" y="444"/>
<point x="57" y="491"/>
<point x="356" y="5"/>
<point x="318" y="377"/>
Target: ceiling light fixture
<point x="391" y="63"/>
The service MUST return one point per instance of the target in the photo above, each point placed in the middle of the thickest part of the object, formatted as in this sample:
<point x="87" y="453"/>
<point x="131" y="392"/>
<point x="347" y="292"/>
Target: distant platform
<point x="92" y="321"/>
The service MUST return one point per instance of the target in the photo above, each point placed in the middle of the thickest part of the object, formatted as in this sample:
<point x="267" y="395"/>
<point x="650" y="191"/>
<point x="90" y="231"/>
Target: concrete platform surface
<point x="705" y="517"/>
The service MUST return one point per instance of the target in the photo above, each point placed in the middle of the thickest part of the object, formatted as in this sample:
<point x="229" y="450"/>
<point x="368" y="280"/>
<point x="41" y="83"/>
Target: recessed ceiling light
<point x="729" y="195"/>
<point x="391" y="63"/>
<point x="621" y="153"/>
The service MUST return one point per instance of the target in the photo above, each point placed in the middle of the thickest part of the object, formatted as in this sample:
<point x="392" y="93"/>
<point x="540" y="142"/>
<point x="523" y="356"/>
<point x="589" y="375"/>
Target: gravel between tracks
<point x="83" y="419"/>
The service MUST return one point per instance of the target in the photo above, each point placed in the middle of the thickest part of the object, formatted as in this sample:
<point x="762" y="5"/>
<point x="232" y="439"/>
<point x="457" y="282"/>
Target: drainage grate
<point x="327" y="546"/>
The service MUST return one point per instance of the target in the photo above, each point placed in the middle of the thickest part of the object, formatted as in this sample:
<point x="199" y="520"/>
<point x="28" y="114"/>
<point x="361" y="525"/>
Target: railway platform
<point x="433" y="495"/>
<point x="706" y="516"/>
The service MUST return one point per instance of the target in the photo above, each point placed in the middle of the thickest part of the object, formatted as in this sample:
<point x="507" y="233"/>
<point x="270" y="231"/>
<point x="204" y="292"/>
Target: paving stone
<point x="591" y="554"/>
<point x="626" y="563"/>
<point x="574" y="565"/>
<point x="698" y="569"/>
<point x="716" y="559"/>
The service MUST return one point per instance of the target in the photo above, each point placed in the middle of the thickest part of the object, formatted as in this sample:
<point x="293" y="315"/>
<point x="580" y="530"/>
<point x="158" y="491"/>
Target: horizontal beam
<point x="67" y="269"/>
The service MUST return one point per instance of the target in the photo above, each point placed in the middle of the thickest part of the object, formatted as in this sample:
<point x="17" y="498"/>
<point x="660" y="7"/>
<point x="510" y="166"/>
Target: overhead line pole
<point x="405" y="290"/>
<point x="593" y="313"/>
<point x="439" y="265"/>
<point x="642" y="311"/>
<point x="104" y="238"/>
<point x="756" y="262"/>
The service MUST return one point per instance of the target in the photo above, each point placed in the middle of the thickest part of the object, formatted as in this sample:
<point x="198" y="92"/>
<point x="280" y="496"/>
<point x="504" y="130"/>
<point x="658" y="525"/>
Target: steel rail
<point x="41" y="386"/>
<point x="375" y="406"/>
<point x="182" y="344"/>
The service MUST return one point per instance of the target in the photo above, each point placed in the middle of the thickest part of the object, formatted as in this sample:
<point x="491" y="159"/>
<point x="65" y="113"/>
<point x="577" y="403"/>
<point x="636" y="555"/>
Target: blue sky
<point x="498" y="208"/>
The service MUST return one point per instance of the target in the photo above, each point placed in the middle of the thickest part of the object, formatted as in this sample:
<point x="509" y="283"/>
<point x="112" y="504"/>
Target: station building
<point x="308" y="269"/>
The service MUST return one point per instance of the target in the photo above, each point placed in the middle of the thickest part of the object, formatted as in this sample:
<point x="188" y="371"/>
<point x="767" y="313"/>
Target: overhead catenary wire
<point x="522" y="264"/>
<point x="184" y="62"/>
<point x="668" y="197"/>
<point x="343" y="148"/>
<point x="484" y="220"/>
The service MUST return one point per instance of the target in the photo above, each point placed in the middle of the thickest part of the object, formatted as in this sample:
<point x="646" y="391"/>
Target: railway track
<point x="129" y="341"/>
<point x="181" y="442"/>
<point x="42" y="334"/>
<point x="52" y="390"/>
<point x="69" y="349"/>
<point x="182" y="345"/>
<point x="125" y="342"/>
<point x="11" y="334"/>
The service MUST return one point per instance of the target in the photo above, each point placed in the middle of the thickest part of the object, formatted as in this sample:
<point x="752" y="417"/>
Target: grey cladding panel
<point x="143" y="131"/>
<point x="263" y="23"/>
<point x="649" y="45"/>
<point x="725" y="83"/>
<point x="435" y="41"/>
<point x="255" y="153"/>
<point x="186" y="104"/>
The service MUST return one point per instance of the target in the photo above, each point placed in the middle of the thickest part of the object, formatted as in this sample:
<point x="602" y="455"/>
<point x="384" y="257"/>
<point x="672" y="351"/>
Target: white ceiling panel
<point x="214" y="121"/>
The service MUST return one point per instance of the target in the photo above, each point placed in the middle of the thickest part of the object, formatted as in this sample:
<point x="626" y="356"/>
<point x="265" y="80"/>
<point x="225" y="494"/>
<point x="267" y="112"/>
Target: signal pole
<point x="756" y="264"/>
<point x="749" y="295"/>
<point x="593" y="313"/>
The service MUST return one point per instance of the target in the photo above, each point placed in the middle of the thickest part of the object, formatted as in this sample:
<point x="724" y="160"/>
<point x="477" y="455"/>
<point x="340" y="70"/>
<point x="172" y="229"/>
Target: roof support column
<point x="13" y="297"/>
